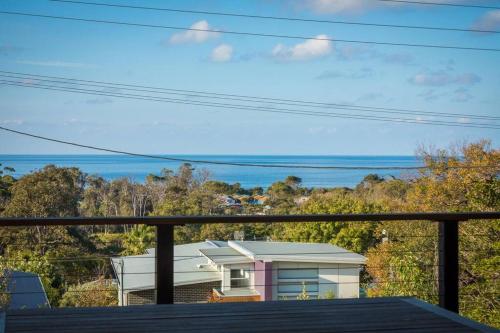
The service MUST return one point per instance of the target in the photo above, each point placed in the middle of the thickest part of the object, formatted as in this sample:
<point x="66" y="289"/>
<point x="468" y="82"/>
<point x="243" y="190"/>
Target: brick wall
<point x="192" y="293"/>
<point x="141" y="297"/>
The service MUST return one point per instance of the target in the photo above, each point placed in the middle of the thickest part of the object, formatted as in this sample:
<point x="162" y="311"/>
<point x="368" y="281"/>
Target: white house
<point x="244" y="271"/>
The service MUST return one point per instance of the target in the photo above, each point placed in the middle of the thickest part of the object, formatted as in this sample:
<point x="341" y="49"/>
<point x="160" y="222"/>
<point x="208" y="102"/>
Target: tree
<point x="50" y="192"/>
<point x="140" y="238"/>
<point x="293" y="181"/>
<point x="462" y="179"/>
<point x="281" y="198"/>
<point x="6" y="182"/>
<point x="32" y="262"/>
<point x="357" y="237"/>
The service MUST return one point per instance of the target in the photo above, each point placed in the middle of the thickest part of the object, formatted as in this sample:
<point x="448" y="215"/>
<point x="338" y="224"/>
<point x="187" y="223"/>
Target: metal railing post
<point x="164" y="264"/>
<point x="448" y="265"/>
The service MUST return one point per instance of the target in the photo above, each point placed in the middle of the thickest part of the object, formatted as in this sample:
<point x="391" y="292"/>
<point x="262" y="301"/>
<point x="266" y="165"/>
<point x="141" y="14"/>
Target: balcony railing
<point x="448" y="240"/>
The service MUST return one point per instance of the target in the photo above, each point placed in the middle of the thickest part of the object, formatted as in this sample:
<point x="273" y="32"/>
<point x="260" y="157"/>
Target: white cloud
<point x="442" y="78"/>
<point x="12" y="121"/>
<point x="310" y="49"/>
<point x="53" y="63"/>
<point x="338" y="6"/>
<point x="361" y="73"/>
<point x="358" y="6"/>
<point x="489" y="21"/>
<point x="461" y="95"/>
<point x="222" y="53"/>
<point x="199" y="35"/>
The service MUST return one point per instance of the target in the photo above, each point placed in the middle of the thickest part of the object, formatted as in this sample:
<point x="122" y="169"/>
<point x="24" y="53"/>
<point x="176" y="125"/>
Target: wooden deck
<point x="361" y="315"/>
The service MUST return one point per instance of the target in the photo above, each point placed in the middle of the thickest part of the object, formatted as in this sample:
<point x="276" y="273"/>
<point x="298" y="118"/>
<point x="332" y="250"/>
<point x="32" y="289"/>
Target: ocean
<point x="137" y="168"/>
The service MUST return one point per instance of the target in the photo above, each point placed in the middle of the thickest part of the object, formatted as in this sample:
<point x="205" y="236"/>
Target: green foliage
<point x="95" y="293"/>
<point x="405" y="264"/>
<point x="293" y="181"/>
<point x="354" y="236"/>
<point x="138" y="239"/>
<point x="50" y="192"/>
<point x="330" y="294"/>
<point x="28" y="261"/>
<point x="303" y="296"/>
<point x="4" y="282"/>
<point x="6" y="182"/>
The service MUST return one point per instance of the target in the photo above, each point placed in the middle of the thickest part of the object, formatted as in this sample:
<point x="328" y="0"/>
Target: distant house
<point x="300" y="200"/>
<point x="244" y="271"/>
<point x="229" y="201"/>
<point x="26" y="291"/>
<point x="260" y="199"/>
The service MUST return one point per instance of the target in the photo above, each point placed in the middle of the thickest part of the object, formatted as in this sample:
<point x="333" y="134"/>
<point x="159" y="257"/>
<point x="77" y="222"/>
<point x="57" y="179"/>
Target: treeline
<point x="402" y="257"/>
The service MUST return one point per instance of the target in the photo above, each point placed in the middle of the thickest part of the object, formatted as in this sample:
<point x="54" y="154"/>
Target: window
<point x="292" y="281"/>
<point x="240" y="278"/>
<point x="296" y="287"/>
<point x="298" y="273"/>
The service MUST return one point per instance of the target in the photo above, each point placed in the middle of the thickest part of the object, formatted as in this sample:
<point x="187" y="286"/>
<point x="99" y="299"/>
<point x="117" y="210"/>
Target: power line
<point x="185" y="160"/>
<point x="447" y="4"/>
<point x="245" y="98"/>
<point x="254" y="34"/>
<point x="252" y="108"/>
<point x="266" y="17"/>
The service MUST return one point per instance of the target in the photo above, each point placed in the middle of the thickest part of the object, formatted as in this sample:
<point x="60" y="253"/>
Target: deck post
<point x="448" y="265"/>
<point x="164" y="264"/>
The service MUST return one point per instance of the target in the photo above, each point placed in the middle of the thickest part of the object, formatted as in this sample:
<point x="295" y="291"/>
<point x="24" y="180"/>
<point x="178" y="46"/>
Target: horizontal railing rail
<point x="448" y="277"/>
<point x="188" y="219"/>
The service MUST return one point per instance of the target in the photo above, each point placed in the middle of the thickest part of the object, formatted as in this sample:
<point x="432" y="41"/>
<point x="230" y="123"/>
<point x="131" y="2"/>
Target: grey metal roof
<point x="139" y="271"/>
<point x="225" y="255"/>
<point x="297" y="252"/>
<point x="26" y="291"/>
<point x="190" y="260"/>
<point x="217" y="243"/>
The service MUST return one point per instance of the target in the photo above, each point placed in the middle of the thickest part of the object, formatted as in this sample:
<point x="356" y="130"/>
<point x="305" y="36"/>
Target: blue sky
<point x="436" y="80"/>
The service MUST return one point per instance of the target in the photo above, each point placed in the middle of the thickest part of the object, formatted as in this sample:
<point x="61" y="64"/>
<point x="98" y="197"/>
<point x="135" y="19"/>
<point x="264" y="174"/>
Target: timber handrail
<point x="208" y="219"/>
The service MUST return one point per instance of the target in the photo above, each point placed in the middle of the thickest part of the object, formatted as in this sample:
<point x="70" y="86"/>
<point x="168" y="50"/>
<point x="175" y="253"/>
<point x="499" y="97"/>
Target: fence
<point x="448" y="240"/>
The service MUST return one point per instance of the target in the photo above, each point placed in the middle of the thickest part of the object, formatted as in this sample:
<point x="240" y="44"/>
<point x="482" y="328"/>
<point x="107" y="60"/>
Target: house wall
<point x="140" y="297"/>
<point x="341" y="279"/>
<point x="191" y="293"/>
<point x="263" y="280"/>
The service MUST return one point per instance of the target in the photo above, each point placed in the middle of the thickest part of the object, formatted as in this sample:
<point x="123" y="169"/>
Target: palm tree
<point x="138" y="239"/>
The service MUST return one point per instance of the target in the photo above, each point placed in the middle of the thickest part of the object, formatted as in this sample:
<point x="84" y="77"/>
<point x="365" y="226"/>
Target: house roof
<point x="190" y="260"/>
<point x="139" y="271"/>
<point x="297" y="252"/>
<point x="225" y="255"/>
<point x="26" y="291"/>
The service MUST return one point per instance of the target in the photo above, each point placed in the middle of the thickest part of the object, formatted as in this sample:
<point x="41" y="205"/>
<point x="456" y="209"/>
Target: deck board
<point x="360" y="315"/>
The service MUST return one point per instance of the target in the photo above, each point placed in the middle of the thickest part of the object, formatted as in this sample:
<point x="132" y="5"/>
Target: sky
<point x="324" y="71"/>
